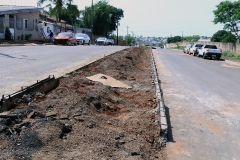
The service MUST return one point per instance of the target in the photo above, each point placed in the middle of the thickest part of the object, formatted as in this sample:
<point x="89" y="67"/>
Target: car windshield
<point x="64" y="34"/>
<point x="199" y="45"/>
<point x="100" y="38"/>
<point x="80" y="35"/>
<point x="211" y="46"/>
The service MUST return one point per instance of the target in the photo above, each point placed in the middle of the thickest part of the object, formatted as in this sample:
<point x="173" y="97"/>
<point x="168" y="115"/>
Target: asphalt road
<point x="202" y="98"/>
<point x="24" y="65"/>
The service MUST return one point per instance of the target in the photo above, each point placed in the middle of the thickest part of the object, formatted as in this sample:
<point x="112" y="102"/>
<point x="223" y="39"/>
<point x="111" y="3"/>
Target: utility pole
<point x="117" y="32"/>
<point x="182" y="36"/>
<point x="127" y="30"/>
<point x="127" y="34"/>
<point x="92" y="21"/>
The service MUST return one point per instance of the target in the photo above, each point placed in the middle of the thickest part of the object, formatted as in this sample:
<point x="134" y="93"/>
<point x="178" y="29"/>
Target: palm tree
<point x="58" y="8"/>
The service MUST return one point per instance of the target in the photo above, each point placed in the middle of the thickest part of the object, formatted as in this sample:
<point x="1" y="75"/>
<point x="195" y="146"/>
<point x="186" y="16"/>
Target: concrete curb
<point x="162" y="121"/>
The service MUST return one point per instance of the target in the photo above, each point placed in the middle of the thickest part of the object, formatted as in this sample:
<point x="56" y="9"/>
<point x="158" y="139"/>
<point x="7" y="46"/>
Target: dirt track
<point x="83" y="119"/>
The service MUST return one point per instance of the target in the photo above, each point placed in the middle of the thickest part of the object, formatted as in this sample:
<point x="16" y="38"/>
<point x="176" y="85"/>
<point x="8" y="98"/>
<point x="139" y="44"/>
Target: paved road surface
<point x="203" y="101"/>
<point x="24" y="65"/>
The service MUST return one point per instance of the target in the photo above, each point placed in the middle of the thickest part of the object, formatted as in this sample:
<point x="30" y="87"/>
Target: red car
<point x="67" y="38"/>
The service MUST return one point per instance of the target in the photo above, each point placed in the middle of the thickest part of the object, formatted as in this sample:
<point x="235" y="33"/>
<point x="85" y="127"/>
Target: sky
<point x="158" y="18"/>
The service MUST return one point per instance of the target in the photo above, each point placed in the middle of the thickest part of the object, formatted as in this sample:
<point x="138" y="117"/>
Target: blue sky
<point x="159" y="18"/>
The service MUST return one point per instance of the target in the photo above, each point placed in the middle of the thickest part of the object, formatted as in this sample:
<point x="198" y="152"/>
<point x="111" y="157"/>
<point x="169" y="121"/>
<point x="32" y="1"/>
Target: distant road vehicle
<point x="210" y="51"/>
<point x="110" y="42"/>
<point x="82" y="38"/>
<point x="65" y="38"/>
<point x="187" y="48"/>
<point x="102" y="41"/>
<point x="194" y="49"/>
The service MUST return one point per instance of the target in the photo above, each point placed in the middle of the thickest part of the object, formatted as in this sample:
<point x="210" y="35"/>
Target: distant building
<point x="205" y="39"/>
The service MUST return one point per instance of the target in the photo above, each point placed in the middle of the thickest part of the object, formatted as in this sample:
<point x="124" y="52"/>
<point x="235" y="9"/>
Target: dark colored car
<point x="186" y="49"/>
<point x="67" y="38"/>
<point x="110" y="42"/>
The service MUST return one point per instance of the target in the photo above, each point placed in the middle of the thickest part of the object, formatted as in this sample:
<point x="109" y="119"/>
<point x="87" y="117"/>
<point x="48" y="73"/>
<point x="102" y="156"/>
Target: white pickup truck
<point x="194" y="49"/>
<point x="210" y="51"/>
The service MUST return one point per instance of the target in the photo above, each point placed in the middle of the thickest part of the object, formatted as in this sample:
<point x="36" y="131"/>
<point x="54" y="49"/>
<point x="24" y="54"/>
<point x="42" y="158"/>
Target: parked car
<point x="187" y="48"/>
<point x="102" y="41"/>
<point x="82" y="38"/>
<point x="194" y="49"/>
<point x="111" y="42"/>
<point x="65" y="38"/>
<point x="210" y="51"/>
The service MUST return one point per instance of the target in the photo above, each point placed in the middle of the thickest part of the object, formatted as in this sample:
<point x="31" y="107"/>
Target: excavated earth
<point x="84" y="119"/>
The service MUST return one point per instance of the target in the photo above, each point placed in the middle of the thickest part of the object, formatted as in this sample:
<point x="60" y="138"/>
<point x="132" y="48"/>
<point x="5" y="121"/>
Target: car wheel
<point x="68" y="43"/>
<point x="204" y="57"/>
<point x="88" y="42"/>
<point x="218" y="57"/>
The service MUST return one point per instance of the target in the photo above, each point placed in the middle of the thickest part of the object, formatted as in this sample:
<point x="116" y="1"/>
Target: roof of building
<point x="11" y="9"/>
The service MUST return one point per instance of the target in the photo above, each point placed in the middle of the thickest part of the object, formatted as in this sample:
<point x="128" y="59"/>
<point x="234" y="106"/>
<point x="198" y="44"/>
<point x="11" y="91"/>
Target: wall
<point x="231" y="47"/>
<point x="34" y="16"/>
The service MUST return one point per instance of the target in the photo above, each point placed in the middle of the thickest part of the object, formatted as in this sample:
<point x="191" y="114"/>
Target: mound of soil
<point x="83" y="119"/>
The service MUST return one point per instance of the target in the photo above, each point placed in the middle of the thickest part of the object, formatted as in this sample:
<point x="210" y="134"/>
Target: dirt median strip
<point x="83" y="119"/>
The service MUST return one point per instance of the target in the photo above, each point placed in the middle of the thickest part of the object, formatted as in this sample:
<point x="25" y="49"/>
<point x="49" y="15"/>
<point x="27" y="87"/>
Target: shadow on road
<point x="167" y="113"/>
<point x="170" y="135"/>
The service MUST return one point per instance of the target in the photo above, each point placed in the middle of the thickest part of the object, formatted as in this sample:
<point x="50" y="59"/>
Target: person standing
<point x="50" y="36"/>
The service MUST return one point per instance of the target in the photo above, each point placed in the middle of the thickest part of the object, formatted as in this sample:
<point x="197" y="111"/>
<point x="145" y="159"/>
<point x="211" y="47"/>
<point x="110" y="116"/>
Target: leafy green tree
<point x="223" y="36"/>
<point x="105" y="18"/>
<point x="174" y="39"/>
<point x="228" y="13"/>
<point x="70" y="14"/>
<point x="129" y="39"/>
<point x="58" y="8"/>
<point x="191" y="39"/>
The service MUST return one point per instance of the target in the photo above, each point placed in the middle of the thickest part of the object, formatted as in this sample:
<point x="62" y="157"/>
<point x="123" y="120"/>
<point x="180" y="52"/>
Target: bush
<point x="230" y="55"/>
<point x="238" y="56"/>
<point x="227" y="54"/>
<point x="28" y="36"/>
<point x="8" y="34"/>
<point x="22" y="36"/>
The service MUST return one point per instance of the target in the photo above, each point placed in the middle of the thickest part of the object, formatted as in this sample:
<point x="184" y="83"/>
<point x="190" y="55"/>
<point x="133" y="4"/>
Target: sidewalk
<point x="22" y="43"/>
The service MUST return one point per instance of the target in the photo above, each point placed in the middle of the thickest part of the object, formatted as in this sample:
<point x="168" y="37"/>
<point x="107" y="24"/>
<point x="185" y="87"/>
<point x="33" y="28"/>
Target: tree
<point x="174" y="39"/>
<point x="228" y="13"/>
<point x="70" y="14"/>
<point x="105" y="18"/>
<point x="8" y="34"/>
<point x="59" y="7"/>
<point x="191" y="39"/>
<point x="130" y="40"/>
<point x="223" y="36"/>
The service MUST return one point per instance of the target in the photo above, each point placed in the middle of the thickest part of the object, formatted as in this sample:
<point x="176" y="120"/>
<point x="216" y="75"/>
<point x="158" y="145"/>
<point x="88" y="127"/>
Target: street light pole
<point x="92" y="21"/>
